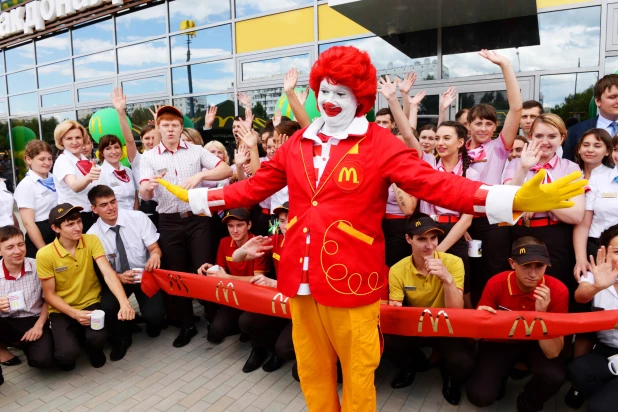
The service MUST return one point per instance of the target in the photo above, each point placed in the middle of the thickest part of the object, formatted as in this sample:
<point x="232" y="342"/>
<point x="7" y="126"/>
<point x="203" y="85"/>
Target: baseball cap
<point x="420" y="224"/>
<point x="170" y="110"/>
<point x="240" y="213"/>
<point x="526" y="254"/>
<point x="283" y="208"/>
<point x="61" y="211"/>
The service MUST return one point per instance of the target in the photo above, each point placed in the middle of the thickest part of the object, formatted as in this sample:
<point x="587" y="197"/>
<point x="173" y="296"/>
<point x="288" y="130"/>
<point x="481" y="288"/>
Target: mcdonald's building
<point x="61" y="59"/>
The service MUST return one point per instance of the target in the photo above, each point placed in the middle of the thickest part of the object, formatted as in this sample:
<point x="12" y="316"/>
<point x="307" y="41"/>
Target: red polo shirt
<point x="248" y="268"/>
<point x="277" y="250"/>
<point x="502" y="290"/>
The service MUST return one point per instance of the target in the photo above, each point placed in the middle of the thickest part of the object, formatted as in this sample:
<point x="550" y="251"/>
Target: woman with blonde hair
<point x="192" y="136"/>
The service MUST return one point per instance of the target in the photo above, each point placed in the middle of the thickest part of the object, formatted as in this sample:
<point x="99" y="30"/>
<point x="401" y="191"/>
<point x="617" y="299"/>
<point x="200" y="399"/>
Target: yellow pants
<point x="321" y="335"/>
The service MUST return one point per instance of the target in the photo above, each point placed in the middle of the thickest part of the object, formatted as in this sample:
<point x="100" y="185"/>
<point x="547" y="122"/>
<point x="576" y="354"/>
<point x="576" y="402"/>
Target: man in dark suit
<point x="606" y="99"/>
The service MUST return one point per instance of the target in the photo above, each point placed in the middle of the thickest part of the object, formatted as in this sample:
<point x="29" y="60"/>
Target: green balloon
<point x="105" y="121"/>
<point x="311" y="107"/>
<point x="125" y="162"/>
<point x="21" y="136"/>
<point x="187" y="123"/>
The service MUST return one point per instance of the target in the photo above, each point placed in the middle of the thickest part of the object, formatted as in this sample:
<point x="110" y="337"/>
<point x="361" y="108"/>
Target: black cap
<point x="283" y="208"/>
<point x="526" y="254"/>
<point x="61" y="211"/>
<point x="240" y="213"/>
<point x="420" y="224"/>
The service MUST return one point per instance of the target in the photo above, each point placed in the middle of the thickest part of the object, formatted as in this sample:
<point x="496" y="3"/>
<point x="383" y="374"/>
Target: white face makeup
<point x="337" y="105"/>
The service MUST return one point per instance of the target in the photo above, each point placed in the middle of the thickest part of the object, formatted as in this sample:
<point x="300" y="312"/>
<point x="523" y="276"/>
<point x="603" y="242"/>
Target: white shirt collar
<point x="34" y="177"/>
<point x="600" y="169"/>
<point x="120" y="221"/>
<point x="358" y="127"/>
<point x="73" y="157"/>
<point x="108" y="167"/>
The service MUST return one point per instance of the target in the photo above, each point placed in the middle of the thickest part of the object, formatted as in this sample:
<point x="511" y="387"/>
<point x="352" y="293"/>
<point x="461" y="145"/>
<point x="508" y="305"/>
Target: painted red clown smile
<point x="331" y="110"/>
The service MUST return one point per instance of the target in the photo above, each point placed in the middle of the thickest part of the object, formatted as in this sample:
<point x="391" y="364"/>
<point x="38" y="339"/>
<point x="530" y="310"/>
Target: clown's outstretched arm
<point x="269" y="179"/>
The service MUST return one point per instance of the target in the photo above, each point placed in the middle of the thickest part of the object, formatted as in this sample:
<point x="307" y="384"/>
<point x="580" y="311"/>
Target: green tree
<point x="574" y="105"/>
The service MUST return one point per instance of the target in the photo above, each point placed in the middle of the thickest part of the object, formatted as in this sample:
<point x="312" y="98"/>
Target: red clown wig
<point x="350" y="67"/>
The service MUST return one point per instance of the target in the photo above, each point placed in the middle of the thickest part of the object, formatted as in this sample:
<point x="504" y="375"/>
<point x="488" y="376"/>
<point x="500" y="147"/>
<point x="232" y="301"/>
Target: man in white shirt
<point x="130" y="242"/>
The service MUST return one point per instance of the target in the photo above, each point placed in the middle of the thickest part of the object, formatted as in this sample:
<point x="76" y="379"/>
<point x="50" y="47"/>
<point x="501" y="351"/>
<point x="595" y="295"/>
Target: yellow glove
<point x="534" y="196"/>
<point x="179" y="192"/>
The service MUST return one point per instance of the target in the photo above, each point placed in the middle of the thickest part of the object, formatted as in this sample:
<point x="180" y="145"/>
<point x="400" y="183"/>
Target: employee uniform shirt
<point x="489" y="159"/>
<point x="414" y="289"/>
<point x="556" y="168"/>
<point x="6" y="206"/>
<point x="247" y="268"/>
<point x="31" y="193"/>
<point x="135" y="167"/>
<point x="65" y="165"/>
<point x="26" y="281"/>
<point x="275" y="253"/>
<point x="121" y="182"/>
<point x="76" y="282"/>
<point x="137" y="233"/>
<point x="185" y="162"/>
<point x="602" y="199"/>
<point x="606" y="299"/>
<point x="502" y="290"/>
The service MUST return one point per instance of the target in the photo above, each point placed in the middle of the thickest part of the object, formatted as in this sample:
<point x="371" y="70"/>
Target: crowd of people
<point x="93" y="226"/>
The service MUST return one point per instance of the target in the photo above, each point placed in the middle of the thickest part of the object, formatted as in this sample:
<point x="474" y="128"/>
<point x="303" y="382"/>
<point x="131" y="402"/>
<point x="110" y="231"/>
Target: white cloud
<point x="274" y="67"/>
<point x="246" y="7"/>
<point x="142" y="55"/>
<point x="179" y="53"/>
<point x="81" y="46"/>
<point x="187" y="10"/>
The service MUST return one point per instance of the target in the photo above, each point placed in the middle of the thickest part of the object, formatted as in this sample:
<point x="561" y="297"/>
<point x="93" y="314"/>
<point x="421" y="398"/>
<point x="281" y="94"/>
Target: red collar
<point x="8" y="276"/>
<point x="514" y="288"/>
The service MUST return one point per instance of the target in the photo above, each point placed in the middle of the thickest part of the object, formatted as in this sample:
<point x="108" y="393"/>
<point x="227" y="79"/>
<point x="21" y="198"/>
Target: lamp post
<point x="184" y="25"/>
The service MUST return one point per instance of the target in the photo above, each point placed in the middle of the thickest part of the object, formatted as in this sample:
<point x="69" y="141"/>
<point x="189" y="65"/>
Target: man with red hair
<point x="338" y="171"/>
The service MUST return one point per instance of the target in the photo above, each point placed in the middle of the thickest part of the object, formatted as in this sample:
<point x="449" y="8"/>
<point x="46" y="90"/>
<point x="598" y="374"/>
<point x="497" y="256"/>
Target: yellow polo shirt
<point x="76" y="282"/>
<point x="407" y="285"/>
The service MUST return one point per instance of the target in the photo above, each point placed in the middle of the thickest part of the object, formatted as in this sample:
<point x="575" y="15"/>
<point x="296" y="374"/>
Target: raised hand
<point x="494" y="57"/>
<point x="406" y="84"/>
<point x="534" y="196"/>
<point x="530" y="154"/>
<point x="416" y="100"/>
<point x="388" y="89"/>
<point x="119" y="100"/>
<point x="277" y="118"/>
<point x="209" y="119"/>
<point x="447" y="98"/>
<point x="154" y="114"/>
<point x="244" y="99"/>
<point x="256" y="246"/>
<point x="302" y="95"/>
<point x="248" y="136"/>
<point x="290" y="79"/>
<point x="604" y="273"/>
<point x="241" y="155"/>
<point x="248" y="122"/>
<point x="282" y="139"/>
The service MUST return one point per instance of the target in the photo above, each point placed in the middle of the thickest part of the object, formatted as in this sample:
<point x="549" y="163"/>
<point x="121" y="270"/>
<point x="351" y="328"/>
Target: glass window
<point x="204" y="78"/>
<point x="209" y="12"/>
<point x="568" y="95"/>
<point x="273" y="68"/>
<point x="23" y="103"/>
<point x="56" y="99"/>
<point x="6" y="157"/>
<point x="55" y="74"/>
<point x="155" y="84"/>
<point x="93" y="37"/>
<point x="250" y="7"/>
<point x="139" y="113"/>
<point x="95" y="66"/>
<point x="3" y="109"/>
<point x="611" y="65"/>
<point x="20" y="57"/>
<point x="53" y="48"/>
<point x="194" y="108"/>
<point x="49" y="123"/>
<point x="143" y="56"/>
<point x="23" y="130"/>
<point x="1" y="62"/>
<point x="263" y="103"/>
<point x="388" y="60"/>
<point x="94" y="93"/>
<point x="207" y="43"/>
<point x="84" y="115"/>
<point x="22" y="81"/>
<point x="569" y="38"/>
<point x="2" y="86"/>
<point x="141" y="24"/>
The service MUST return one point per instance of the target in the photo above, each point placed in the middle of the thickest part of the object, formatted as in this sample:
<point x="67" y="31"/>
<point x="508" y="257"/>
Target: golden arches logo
<point x="434" y="322"/>
<point x="226" y="290"/>
<point x="349" y="174"/>
<point x="522" y="251"/>
<point x="529" y="328"/>
<point x="417" y="224"/>
<point x="282" y="302"/>
<point x="95" y="122"/>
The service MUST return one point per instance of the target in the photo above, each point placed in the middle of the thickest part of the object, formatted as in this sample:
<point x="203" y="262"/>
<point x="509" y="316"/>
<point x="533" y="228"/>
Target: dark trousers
<point x="186" y="245"/>
<point x="404" y="352"/>
<point x="590" y="374"/>
<point x="269" y="332"/>
<point x="496" y="252"/>
<point x="40" y="353"/>
<point x="223" y="320"/>
<point x="459" y="249"/>
<point x="48" y="236"/>
<point x="65" y="331"/>
<point x="152" y="310"/>
<point x="493" y="363"/>
<point x="395" y="240"/>
<point x="149" y="207"/>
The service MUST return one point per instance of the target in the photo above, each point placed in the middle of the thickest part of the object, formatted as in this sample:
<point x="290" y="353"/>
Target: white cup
<point x="97" y="319"/>
<point x="213" y="269"/>
<point x="475" y="248"/>
<point x="138" y="274"/>
<point x="613" y="364"/>
<point x="16" y="300"/>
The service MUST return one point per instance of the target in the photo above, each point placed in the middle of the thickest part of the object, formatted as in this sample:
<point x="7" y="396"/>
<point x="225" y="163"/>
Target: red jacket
<point x="344" y="213"/>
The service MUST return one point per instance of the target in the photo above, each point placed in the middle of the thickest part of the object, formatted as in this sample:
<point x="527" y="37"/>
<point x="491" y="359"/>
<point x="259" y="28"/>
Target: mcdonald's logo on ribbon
<point x="282" y="302"/>
<point x="226" y="290"/>
<point x="434" y="323"/>
<point x="95" y="122"/>
<point x="529" y="328"/>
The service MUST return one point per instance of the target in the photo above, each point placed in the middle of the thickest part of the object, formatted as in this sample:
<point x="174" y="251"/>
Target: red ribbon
<point x="84" y="166"/>
<point x="122" y="175"/>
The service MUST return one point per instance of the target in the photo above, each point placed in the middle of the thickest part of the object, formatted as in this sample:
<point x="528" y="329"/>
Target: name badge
<point x="276" y="256"/>
<point x="409" y="288"/>
<point x="161" y="171"/>
<point x="228" y="258"/>
<point x="608" y="195"/>
<point x="114" y="184"/>
<point x="111" y="256"/>
<point x="61" y="269"/>
<point x="45" y="193"/>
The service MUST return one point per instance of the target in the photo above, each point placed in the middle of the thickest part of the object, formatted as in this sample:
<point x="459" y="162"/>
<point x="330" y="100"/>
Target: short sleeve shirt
<point x="490" y="167"/>
<point x="247" y="268"/>
<point x="414" y="289"/>
<point x="602" y="199"/>
<point x="65" y="165"/>
<point x="6" y="206"/>
<point x="31" y="194"/>
<point x="502" y="290"/>
<point x="123" y="189"/>
<point x="76" y="282"/>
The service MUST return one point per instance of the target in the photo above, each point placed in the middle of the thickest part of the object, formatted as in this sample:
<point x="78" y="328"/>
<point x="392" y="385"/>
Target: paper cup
<point x="613" y="364"/>
<point x="16" y="300"/>
<point x="475" y="248"/>
<point x="97" y="319"/>
<point x="213" y="269"/>
<point x="138" y="274"/>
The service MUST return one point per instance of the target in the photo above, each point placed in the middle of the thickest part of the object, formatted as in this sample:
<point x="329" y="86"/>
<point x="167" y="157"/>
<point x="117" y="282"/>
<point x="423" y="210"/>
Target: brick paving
<point x="154" y="376"/>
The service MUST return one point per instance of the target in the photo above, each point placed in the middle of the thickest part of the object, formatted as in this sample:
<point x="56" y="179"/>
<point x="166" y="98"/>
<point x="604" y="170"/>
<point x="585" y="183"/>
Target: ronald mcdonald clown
<point x="338" y="171"/>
